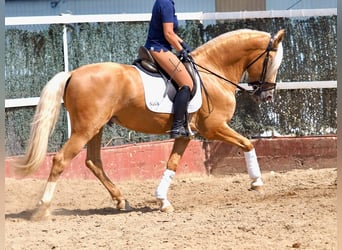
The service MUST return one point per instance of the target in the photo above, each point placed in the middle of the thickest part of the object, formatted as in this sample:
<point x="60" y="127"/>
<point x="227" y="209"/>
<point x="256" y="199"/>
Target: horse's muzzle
<point x="267" y="96"/>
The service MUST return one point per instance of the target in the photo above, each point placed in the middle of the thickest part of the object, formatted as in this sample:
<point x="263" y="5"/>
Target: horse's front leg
<point x="227" y="134"/>
<point x="178" y="149"/>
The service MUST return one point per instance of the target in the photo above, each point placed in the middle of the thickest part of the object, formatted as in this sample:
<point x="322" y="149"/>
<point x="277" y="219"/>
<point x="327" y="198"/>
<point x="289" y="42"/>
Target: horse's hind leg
<point x="61" y="159"/>
<point x="94" y="163"/>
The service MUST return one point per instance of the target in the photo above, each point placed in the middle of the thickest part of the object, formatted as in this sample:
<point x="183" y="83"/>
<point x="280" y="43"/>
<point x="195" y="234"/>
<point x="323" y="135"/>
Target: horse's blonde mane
<point x="241" y="31"/>
<point x="226" y="37"/>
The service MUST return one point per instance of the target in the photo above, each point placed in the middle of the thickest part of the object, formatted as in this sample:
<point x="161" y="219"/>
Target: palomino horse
<point x="96" y="94"/>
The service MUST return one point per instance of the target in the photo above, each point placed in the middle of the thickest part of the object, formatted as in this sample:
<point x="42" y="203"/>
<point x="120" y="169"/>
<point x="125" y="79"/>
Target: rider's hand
<point x="186" y="47"/>
<point x="183" y="56"/>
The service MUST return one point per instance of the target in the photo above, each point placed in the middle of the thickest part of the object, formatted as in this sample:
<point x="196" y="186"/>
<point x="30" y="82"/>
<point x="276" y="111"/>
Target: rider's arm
<point x="172" y="37"/>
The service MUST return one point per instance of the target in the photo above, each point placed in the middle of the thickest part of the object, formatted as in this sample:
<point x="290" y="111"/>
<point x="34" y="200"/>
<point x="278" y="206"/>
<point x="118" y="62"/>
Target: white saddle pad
<point x="158" y="101"/>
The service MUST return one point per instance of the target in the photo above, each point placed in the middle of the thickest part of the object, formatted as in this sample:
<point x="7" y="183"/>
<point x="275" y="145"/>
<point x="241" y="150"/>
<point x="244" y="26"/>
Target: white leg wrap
<point x="161" y="192"/>
<point x="48" y="193"/>
<point x="252" y="164"/>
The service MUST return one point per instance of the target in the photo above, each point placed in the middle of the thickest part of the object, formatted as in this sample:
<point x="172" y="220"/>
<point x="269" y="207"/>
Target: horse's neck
<point x="228" y="56"/>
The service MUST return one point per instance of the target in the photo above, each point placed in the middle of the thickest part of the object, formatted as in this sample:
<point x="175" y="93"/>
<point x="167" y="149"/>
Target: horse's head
<point x="262" y="70"/>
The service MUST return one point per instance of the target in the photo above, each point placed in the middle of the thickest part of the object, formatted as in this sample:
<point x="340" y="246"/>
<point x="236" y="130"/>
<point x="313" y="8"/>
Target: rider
<point x="161" y="38"/>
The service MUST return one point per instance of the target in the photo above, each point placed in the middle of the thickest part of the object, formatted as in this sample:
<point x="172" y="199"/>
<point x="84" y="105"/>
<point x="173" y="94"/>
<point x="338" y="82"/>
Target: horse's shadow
<point x="27" y="214"/>
<point x="100" y="211"/>
<point x="24" y="215"/>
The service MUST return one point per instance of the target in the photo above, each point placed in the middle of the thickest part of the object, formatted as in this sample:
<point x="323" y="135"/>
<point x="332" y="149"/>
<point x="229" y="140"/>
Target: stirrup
<point x="179" y="132"/>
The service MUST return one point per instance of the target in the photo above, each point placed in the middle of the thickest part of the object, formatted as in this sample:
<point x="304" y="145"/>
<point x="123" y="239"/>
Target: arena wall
<point x="148" y="160"/>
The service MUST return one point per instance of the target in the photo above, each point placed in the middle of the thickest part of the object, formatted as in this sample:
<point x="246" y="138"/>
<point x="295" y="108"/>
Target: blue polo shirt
<point x="163" y="12"/>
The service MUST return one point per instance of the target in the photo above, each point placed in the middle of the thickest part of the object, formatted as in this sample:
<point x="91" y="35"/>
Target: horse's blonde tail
<point x="43" y="124"/>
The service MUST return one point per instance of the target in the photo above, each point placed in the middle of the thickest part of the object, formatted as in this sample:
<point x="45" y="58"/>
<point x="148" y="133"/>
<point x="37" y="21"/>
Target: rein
<point x="222" y="78"/>
<point x="256" y="84"/>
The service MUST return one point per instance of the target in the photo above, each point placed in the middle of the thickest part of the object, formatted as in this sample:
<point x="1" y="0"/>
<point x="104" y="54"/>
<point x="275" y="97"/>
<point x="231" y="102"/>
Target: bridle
<point x="257" y="85"/>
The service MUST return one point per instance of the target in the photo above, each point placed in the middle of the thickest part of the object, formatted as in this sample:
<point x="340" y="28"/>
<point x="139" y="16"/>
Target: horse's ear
<point x="278" y="38"/>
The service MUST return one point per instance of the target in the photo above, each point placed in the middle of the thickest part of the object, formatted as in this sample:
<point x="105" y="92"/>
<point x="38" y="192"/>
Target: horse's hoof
<point x="259" y="189"/>
<point x="166" y="206"/>
<point x="168" y="209"/>
<point x="42" y="212"/>
<point x="124" y="205"/>
<point x="257" y="185"/>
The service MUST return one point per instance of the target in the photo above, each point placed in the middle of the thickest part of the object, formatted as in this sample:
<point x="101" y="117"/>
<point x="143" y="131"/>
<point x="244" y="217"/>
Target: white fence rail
<point x="33" y="101"/>
<point x="67" y="18"/>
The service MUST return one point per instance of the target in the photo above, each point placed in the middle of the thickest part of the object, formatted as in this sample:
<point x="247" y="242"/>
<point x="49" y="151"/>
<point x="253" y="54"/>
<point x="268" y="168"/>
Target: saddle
<point x="146" y="63"/>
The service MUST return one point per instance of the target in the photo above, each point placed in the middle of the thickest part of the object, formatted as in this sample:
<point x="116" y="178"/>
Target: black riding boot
<point x="180" y="107"/>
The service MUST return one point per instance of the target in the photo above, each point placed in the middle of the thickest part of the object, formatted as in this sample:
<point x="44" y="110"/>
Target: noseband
<point x="258" y="85"/>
